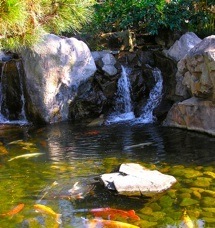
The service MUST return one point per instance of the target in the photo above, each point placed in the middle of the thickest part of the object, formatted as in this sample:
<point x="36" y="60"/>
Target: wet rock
<point x="11" y="91"/>
<point x="193" y="114"/>
<point x="54" y="69"/>
<point x="188" y="201"/>
<point x="134" y="179"/>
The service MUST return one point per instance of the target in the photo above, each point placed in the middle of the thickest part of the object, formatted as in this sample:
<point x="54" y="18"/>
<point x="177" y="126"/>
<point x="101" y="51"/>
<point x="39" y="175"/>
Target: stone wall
<point x="196" y="84"/>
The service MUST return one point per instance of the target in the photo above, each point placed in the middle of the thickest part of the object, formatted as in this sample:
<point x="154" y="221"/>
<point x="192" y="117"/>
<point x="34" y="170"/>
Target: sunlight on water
<point x="64" y="177"/>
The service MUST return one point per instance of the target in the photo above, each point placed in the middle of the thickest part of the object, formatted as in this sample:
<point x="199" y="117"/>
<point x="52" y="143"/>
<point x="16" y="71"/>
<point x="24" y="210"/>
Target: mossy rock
<point x="191" y="173"/>
<point x="209" y="220"/>
<point x="146" y="224"/>
<point x="197" y="194"/>
<point x="148" y="218"/>
<point x="197" y="189"/>
<point x="185" y="190"/>
<point x="159" y="215"/>
<point x="209" y="193"/>
<point x="172" y="193"/>
<point x="188" y="202"/>
<point x="185" y="195"/>
<point x="175" y="214"/>
<point x="210" y="209"/>
<point x="208" y="202"/>
<point x="146" y="211"/>
<point x="210" y="174"/>
<point x="207" y="214"/>
<point x="168" y="221"/>
<point x="166" y="201"/>
<point x="202" y="182"/>
<point x="155" y="206"/>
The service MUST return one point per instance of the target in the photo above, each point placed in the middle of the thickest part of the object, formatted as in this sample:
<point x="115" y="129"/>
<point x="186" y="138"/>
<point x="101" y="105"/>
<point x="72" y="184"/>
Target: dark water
<point x="76" y="153"/>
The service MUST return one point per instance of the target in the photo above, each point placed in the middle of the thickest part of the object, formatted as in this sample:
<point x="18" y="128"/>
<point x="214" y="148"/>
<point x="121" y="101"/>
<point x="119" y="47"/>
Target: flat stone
<point x="134" y="179"/>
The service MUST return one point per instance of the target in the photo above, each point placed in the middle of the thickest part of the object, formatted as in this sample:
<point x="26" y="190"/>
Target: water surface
<point x="76" y="153"/>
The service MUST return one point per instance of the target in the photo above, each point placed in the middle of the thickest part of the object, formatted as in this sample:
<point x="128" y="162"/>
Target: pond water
<point x="65" y="156"/>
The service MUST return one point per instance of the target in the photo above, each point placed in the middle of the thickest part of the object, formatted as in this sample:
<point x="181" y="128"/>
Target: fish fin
<point x="133" y="215"/>
<point x="58" y="218"/>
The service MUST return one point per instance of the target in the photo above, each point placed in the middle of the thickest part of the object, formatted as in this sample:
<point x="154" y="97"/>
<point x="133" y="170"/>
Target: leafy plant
<point x="22" y="22"/>
<point x="153" y="15"/>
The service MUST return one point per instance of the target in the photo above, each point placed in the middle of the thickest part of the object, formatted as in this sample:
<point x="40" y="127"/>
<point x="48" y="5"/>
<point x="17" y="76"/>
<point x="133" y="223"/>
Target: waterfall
<point x="154" y="99"/>
<point x="22" y="117"/>
<point x="2" y="118"/>
<point x="123" y="107"/>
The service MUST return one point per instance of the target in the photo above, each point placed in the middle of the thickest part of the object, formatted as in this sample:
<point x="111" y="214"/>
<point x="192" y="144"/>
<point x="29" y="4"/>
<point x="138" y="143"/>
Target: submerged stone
<point x="166" y="201"/>
<point x="146" y="224"/>
<point x="187" y="202"/>
<point x="134" y="179"/>
<point x="210" y="174"/>
<point x="202" y="182"/>
<point x="208" y="201"/>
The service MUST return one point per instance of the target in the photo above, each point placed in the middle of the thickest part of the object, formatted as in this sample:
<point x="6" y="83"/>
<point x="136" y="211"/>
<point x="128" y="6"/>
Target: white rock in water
<point x="134" y="179"/>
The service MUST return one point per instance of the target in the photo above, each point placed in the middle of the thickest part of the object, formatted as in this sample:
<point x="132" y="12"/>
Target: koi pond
<point x="58" y="166"/>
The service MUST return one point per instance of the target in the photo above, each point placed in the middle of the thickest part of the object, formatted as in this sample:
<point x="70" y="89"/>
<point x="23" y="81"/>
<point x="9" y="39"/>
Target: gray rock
<point x="182" y="46"/>
<point x="135" y="180"/>
<point x="193" y="114"/>
<point x="196" y="80"/>
<point x="54" y="69"/>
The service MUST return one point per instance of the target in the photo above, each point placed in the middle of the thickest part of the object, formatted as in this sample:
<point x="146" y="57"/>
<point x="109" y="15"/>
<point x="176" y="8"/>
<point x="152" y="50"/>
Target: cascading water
<point x="22" y="117"/>
<point x="123" y="107"/>
<point x="2" y="118"/>
<point x="154" y="99"/>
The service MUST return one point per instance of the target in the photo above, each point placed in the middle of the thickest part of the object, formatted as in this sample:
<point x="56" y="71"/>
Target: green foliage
<point x="22" y="22"/>
<point x="153" y="15"/>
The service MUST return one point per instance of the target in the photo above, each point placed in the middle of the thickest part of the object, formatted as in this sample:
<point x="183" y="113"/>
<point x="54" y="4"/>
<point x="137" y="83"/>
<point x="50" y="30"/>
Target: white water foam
<point x="154" y="99"/>
<point x="22" y="120"/>
<point x="123" y="107"/>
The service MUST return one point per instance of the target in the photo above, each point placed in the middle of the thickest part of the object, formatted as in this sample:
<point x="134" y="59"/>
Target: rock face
<point x="53" y="71"/>
<point x="196" y="79"/>
<point x="183" y="45"/>
<point x="11" y="89"/>
<point x="135" y="180"/>
<point x="193" y="114"/>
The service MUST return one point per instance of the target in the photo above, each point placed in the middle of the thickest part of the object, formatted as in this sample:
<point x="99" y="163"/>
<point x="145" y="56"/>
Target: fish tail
<point x="58" y="218"/>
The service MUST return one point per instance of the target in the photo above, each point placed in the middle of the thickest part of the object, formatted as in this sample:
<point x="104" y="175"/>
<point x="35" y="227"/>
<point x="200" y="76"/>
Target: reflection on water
<point x="74" y="153"/>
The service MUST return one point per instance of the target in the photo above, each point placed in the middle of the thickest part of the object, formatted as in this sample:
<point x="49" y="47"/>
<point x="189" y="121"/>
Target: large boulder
<point x="197" y="69"/>
<point x="196" y="79"/>
<point x="193" y="114"/>
<point x="135" y="180"/>
<point x="54" y="68"/>
<point x="182" y="46"/>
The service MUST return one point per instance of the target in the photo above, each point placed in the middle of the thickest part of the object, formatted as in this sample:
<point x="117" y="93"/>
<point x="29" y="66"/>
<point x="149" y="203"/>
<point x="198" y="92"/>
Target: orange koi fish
<point x="14" y="211"/>
<point x="101" y="223"/>
<point x="91" y="133"/>
<point x="111" y="213"/>
<point x="47" y="210"/>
